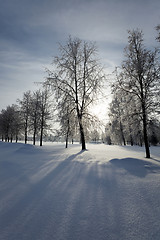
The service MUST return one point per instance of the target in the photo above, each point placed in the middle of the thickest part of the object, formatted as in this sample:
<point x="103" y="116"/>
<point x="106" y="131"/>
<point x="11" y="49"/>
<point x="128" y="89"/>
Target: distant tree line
<point x="29" y="117"/>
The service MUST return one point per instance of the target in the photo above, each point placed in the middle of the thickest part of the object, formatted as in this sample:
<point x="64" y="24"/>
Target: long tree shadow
<point x="39" y="192"/>
<point x="136" y="167"/>
<point x="77" y="201"/>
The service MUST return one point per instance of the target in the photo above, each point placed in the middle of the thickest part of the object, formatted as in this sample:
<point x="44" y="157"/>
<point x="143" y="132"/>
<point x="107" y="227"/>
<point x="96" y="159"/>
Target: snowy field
<point x="104" y="193"/>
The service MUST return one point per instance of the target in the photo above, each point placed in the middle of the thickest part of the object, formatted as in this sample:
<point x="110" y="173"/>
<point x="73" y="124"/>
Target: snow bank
<point x="106" y="192"/>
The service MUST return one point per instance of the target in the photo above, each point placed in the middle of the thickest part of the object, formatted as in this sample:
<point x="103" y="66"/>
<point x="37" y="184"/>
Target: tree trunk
<point x="146" y="142"/>
<point x="41" y="137"/>
<point x="34" y="137"/>
<point x="67" y="141"/>
<point x="42" y="125"/>
<point x="6" y="137"/>
<point x="131" y="139"/>
<point x="35" y="130"/>
<point x="25" y="135"/>
<point x="25" y="139"/>
<point x="67" y="134"/>
<point x="25" y="130"/>
<point x="82" y="136"/>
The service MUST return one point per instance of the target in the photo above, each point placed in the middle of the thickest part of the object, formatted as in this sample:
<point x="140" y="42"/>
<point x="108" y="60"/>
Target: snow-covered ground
<point x="53" y="193"/>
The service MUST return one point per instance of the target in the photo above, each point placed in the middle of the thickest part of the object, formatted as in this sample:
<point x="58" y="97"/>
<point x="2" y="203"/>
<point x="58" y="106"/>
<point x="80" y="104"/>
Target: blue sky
<point x="30" y="31"/>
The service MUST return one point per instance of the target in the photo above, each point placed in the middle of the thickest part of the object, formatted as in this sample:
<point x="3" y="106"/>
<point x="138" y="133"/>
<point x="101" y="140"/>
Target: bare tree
<point x="25" y="110"/>
<point x="67" y="119"/>
<point x="139" y="77"/>
<point x="44" y="111"/>
<point x="16" y="122"/>
<point x="125" y="125"/>
<point x="35" y="116"/>
<point x="116" y="115"/>
<point x="10" y="122"/>
<point x="77" y="76"/>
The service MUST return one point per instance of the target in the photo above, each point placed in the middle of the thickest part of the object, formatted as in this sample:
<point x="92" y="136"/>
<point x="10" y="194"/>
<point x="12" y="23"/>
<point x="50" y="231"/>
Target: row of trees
<point x="30" y="116"/>
<point x="75" y="81"/>
<point x="135" y="108"/>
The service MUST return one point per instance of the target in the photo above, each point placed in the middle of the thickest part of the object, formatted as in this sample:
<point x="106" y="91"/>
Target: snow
<point x="104" y="193"/>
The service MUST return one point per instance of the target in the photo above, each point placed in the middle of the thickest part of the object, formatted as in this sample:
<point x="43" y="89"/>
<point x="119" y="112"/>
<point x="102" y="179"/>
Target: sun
<point x="100" y="110"/>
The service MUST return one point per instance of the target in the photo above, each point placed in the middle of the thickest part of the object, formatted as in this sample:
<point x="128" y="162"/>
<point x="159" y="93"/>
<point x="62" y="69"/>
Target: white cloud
<point x="31" y="33"/>
<point x="19" y="74"/>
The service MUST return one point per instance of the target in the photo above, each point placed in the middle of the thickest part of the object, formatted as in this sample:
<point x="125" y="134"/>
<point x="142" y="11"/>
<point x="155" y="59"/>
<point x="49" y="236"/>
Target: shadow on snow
<point x="136" y="167"/>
